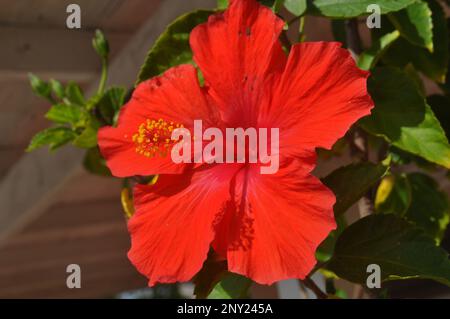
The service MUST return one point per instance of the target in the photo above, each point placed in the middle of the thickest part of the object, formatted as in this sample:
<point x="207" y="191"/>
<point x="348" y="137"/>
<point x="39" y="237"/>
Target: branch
<point x="352" y="36"/>
<point x="308" y="282"/>
<point x="285" y="40"/>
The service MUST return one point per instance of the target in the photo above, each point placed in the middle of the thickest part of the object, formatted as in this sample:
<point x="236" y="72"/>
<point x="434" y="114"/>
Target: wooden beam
<point x="108" y="15"/>
<point x="31" y="185"/>
<point x="62" y="54"/>
<point x="34" y="183"/>
<point x="98" y="279"/>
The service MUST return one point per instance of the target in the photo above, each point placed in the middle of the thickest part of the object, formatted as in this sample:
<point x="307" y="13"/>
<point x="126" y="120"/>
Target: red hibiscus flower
<point x="266" y="226"/>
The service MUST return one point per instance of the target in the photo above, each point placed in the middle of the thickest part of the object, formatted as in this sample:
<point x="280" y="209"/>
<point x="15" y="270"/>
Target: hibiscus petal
<point x="237" y="51"/>
<point x="122" y="159"/>
<point x="172" y="228"/>
<point x="323" y="92"/>
<point x="273" y="230"/>
<point x="175" y="97"/>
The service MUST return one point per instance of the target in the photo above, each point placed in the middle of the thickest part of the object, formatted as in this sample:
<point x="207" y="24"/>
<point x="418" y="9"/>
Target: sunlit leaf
<point x="296" y="7"/>
<point x="415" y="24"/>
<point x="403" y="118"/>
<point x="62" y="113"/>
<point x="433" y="64"/>
<point x="100" y="44"/>
<point x="88" y="137"/>
<point x="369" y="58"/>
<point x="57" y="88"/>
<point x="74" y="94"/>
<point x="54" y="137"/>
<point x="40" y="87"/>
<point x="354" y="8"/>
<point x="222" y="4"/>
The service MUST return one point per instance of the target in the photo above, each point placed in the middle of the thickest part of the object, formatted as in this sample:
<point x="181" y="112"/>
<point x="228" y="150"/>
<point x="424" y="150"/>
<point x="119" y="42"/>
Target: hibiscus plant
<point x="224" y="225"/>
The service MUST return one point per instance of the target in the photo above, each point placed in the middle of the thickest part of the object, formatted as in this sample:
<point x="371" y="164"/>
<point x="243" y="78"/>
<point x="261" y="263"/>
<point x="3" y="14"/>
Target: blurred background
<point x="52" y="212"/>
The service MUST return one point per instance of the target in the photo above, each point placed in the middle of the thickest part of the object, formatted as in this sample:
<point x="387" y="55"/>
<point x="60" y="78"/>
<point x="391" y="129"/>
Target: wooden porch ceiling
<point x="53" y="213"/>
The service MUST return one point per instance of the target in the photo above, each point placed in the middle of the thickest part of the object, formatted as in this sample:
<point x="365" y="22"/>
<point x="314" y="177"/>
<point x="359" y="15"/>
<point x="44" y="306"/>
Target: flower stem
<point x="301" y="27"/>
<point x="301" y="30"/>
<point x="285" y="40"/>
<point x="104" y="77"/>
<point x="308" y="282"/>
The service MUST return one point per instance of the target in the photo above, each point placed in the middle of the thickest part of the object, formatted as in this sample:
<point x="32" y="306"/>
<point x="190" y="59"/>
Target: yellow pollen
<point x="153" y="137"/>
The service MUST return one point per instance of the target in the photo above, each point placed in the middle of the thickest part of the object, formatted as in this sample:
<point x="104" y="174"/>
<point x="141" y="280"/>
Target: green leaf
<point x="296" y="7"/>
<point x="415" y="76"/>
<point x="429" y="207"/>
<point x="172" y="47"/>
<point x="94" y="163"/>
<point x="209" y="276"/>
<point x="40" y="87"/>
<point x="434" y="65"/>
<point x="222" y="4"/>
<point x="232" y="286"/>
<point x="440" y="105"/>
<point x="415" y="24"/>
<point x="403" y="118"/>
<point x="57" y="88"/>
<point x="400" y="249"/>
<point x="110" y="104"/>
<point x="277" y="5"/>
<point x="88" y="137"/>
<point x="350" y="183"/>
<point x="92" y="102"/>
<point x="274" y="4"/>
<point x="325" y="250"/>
<point x="62" y="113"/>
<point x="55" y="137"/>
<point x="401" y="157"/>
<point x="369" y="58"/>
<point x="354" y="8"/>
<point x="100" y="44"/>
<point x="74" y="94"/>
<point x="393" y="195"/>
